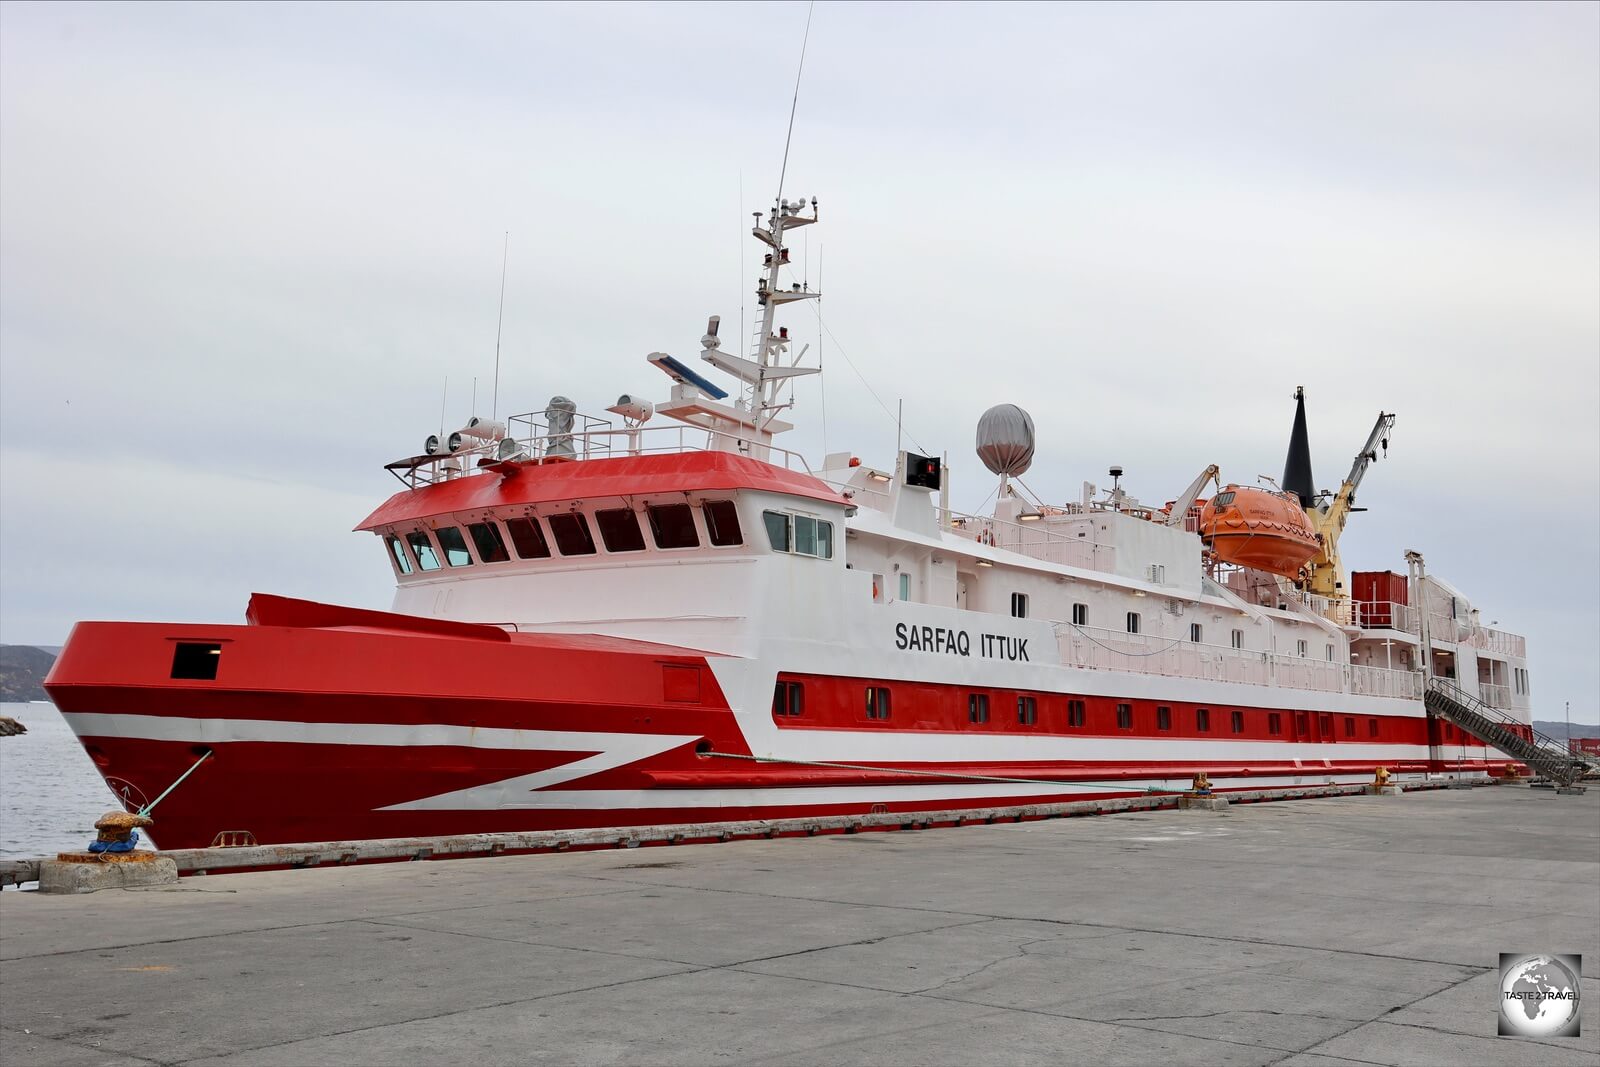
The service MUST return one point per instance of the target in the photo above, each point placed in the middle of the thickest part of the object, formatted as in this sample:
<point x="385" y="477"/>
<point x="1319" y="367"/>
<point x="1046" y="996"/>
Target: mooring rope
<point x="1120" y="786"/>
<point x="148" y="808"/>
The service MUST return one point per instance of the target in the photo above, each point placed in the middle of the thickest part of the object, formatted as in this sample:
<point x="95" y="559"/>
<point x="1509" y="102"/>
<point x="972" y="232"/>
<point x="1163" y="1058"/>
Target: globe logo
<point x="1539" y="995"/>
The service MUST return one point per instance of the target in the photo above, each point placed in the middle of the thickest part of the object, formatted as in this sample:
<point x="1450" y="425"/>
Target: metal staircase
<point x="1544" y="755"/>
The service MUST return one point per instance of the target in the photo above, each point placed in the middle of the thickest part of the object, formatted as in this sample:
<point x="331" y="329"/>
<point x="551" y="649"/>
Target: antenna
<point x="500" y="319"/>
<point x="783" y="172"/>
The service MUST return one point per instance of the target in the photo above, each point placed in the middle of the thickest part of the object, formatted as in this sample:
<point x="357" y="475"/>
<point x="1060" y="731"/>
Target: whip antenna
<point x="500" y="319"/>
<point x="783" y="171"/>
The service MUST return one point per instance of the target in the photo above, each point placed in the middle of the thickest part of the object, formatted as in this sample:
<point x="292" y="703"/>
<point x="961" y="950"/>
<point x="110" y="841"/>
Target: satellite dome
<point x="1005" y="439"/>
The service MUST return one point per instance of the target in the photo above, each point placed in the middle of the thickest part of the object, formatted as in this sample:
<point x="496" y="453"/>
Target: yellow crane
<point x="1328" y="512"/>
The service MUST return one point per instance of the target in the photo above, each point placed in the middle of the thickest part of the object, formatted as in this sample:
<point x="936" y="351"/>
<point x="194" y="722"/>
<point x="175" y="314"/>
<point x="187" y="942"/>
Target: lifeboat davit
<point x="1258" y="528"/>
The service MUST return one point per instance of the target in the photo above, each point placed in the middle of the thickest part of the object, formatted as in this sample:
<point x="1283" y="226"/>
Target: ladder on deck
<point x="1542" y="754"/>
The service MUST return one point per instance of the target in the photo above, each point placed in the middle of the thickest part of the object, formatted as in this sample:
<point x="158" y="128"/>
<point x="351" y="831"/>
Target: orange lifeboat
<point x="1258" y="528"/>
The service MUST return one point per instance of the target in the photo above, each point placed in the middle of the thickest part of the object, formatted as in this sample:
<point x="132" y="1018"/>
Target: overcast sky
<point x="241" y="248"/>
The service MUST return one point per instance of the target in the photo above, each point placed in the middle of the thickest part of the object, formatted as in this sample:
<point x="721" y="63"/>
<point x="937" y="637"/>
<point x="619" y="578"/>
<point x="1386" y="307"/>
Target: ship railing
<point x="1489" y="639"/>
<point x="1496" y="696"/>
<point x="1385" y="615"/>
<point x="1035" y="539"/>
<point x="1384" y="682"/>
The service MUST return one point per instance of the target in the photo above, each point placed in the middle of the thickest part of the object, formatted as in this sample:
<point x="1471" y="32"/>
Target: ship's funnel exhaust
<point x="1297" y="465"/>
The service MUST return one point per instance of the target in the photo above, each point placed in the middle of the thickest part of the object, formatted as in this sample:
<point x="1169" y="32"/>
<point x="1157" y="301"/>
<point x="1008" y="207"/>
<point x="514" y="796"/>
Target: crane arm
<point x="1185" y="501"/>
<point x="1368" y="454"/>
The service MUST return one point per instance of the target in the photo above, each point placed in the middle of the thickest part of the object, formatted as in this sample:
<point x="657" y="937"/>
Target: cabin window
<point x="422" y="548"/>
<point x="978" y="707"/>
<point x="1196" y="632"/>
<point x="905" y="586"/>
<point x="1133" y="622"/>
<point x="1027" y="711"/>
<point x="454" y="546"/>
<point x="1238" y="639"/>
<point x="401" y="560"/>
<point x="571" y="531"/>
<point x="1080" y="615"/>
<point x="1202" y="720"/>
<point x="1274" y="723"/>
<point x="1329" y="649"/>
<point x="1075" y="713"/>
<point x="1300" y="648"/>
<point x="527" y="536"/>
<point x="777" y="529"/>
<point x="722" y="523"/>
<point x="619" y="529"/>
<point x="1237" y="719"/>
<point x="1163" y="718"/>
<point x="1019" y="605"/>
<point x="1325" y="726"/>
<point x="1223" y="499"/>
<point x="1124" y="716"/>
<point x="789" y="699"/>
<point x="487" y="540"/>
<point x="672" y="525"/>
<point x="877" y="702"/>
<point x="1349" y="726"/>
<point x="1372" y="727"/>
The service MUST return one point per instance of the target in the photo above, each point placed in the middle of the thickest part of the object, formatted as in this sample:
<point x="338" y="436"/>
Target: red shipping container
<point x="1374" y="591"/>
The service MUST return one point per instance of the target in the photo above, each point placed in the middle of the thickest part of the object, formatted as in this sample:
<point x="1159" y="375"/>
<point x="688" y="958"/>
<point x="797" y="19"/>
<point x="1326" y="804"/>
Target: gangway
<point x="1542" y="754"/>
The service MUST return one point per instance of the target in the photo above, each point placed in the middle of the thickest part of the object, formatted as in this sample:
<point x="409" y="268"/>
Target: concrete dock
<point x="1348" y="930"/>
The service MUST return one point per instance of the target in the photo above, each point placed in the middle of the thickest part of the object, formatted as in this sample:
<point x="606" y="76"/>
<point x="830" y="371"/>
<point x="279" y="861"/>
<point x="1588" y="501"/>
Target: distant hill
<point x="1558" y="730"/>
<point x="22" y="670"/>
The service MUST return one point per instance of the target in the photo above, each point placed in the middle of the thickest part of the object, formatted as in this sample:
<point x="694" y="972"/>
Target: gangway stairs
<point x="1544" y="755"/>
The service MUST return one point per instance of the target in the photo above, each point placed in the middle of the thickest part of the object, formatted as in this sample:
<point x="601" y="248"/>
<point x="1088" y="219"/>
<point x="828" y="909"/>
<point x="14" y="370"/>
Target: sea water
<point x="50" y="791"/>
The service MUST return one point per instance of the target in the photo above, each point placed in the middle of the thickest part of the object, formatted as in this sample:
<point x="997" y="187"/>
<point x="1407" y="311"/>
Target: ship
<point x="659" y="615"/>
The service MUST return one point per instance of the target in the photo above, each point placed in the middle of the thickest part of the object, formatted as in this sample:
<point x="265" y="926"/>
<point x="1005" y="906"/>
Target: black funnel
<point x="1297" y="465"/>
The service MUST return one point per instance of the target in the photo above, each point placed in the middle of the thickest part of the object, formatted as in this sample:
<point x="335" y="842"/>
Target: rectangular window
<point x="978" y="707"/>
<point x="879" y="593"/>
<point x="571" y="531"/>
<point x="527" y="536"/>
<point x="487" y="540"/>
<point x="1075" y="713"/>
<point x="422" y="548"/>
<point x="788" y="699"/>
<point x="1133" y="622"/>
<point x="1027" y="711"/>
<point x="777" y="529"/>
<point x="1274" y="723"/>
<point x="877" y="702"/>
<point x="1124" y="716"/>
<point x="1019" y="605"/>
<point x="1325" y="727"/>
<point x="1329" y="649"/>
<point x="1163" y="718"/>
<point x="1237" y="720"/>
<point x="1238" y="639"/>
<point x="1080" y="615"/>
<point x="1197" y="633"/>
<point x="619" y="529"/>
<point x="672" y="525"/>
<point x="454" y="546"/>
<point x="1300" y="648"/>
<point x="401" y="560"/>
<point x="1202" y="720"/>
<point x="196" y="662"/>
<point x="805" y="535"/>
<point x="722" y="523"/>
<point x="905" y="586"/>
<point x="1372" y="727"/>
<point x="1349" y="726"/>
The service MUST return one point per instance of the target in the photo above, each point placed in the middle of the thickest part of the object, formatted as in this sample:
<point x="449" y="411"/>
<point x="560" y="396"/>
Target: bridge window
<point x="1237" y="719"/>
<point x="1197" y="632"/>
<point x="527" y="536"/>
<point x="722" y="523"/>
<point x="1075" y="713"/>
<point x="801" y="534"/>
<point x="487" y="540"/>
<point x="1080" y="615"/>
<point x="1202" y="720"/>
<point x="422" y="548"/>
<point x="877" y="702"/>
<point x="401" y="560"/>
<point x="619" y="529"/>
<point x="571" y="531"/>
<point x="1133" y="622"/>
<point x="1163" y="718"/>
<point x="1124" y="716"/>
<point x="1274" y="722"/>
<point x="1238" y="639"/>
<point x="789" y="699"/>
<point x="1027" y="711"/>
<point x="777" y="529"/>
<point x="978" y="707"/>
<point x="1019" y="605"/>
<point x="672" y="525"/>
<point x="455" y="546"/>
